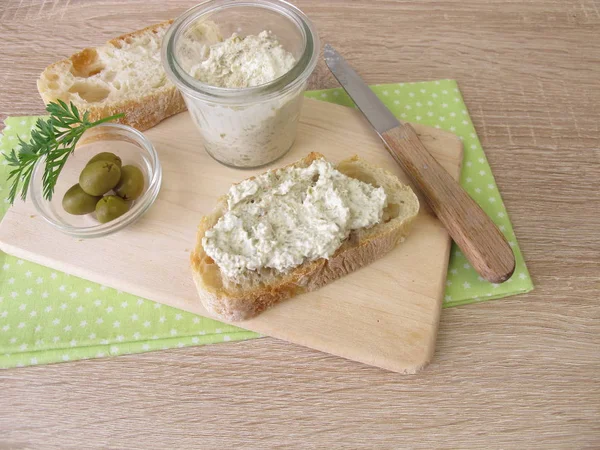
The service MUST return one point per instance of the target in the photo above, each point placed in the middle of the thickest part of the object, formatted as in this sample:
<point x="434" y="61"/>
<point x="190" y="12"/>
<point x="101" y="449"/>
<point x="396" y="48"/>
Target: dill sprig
<point x="55" y="139"/>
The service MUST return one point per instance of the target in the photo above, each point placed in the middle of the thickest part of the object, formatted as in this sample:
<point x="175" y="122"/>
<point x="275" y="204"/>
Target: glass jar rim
<point x="195" y="88"/>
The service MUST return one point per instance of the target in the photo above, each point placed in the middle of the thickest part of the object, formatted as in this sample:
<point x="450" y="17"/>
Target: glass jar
<point x="242" y="127"/>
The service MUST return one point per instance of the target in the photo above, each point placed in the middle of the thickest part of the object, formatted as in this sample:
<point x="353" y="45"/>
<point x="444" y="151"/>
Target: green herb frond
<point x="54" y="139"/>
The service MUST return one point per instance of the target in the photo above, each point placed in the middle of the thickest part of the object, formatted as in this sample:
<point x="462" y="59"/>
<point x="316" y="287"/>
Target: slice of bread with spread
<point x="123" y="76"/>
<point x="237" y="299"/>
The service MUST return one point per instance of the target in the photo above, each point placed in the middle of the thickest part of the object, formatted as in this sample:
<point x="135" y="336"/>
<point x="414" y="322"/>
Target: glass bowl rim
<point x="141" y="205"/>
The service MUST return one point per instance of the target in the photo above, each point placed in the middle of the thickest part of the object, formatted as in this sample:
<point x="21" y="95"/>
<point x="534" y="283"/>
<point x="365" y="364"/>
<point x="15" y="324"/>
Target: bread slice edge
<point x="142" y="112"/>
<point x="359" y="250"/>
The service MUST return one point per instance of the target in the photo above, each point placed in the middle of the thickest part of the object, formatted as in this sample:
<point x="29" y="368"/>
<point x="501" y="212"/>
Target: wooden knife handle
<point x="480" y="240"/>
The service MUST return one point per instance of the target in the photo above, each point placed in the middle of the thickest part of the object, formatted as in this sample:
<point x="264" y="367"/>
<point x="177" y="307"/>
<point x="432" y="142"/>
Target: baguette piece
<point x="259" y="290"/>
<point x="123" y="76"/>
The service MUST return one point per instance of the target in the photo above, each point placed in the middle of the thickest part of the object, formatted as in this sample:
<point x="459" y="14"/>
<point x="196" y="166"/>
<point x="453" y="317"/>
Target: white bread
<point x="123" y="76"/>
<point x="235" y="300"/>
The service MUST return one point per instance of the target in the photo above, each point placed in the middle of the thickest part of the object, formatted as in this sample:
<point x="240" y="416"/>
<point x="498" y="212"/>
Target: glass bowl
<point x="132" y="147"/>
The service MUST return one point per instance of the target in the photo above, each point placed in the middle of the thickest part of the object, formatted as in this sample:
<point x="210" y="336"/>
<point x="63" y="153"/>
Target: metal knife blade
<point x="374" y="110"/>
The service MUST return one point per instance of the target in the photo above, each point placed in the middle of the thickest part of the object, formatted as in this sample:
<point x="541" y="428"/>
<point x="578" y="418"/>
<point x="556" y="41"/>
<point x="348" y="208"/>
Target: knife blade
<point x="369" y="104"/>
<point x="481" y="242"/>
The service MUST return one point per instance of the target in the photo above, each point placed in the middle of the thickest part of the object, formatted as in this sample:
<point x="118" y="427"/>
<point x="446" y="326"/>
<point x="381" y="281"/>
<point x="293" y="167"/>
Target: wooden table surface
<point x="521" y="372"/>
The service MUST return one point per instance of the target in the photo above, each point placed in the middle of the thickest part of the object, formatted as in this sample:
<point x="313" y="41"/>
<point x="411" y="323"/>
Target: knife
<point x="482" y="243"/>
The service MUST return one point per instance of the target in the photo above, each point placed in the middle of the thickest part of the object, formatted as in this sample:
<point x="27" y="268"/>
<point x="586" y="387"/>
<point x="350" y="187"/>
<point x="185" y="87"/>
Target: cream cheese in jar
<point x="242" y="70"/>
<point x="251" y="135"/>
<point x="241" y="62"/>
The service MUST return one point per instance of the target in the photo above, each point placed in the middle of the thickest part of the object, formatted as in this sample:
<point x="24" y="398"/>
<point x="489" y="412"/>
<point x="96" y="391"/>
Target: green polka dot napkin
<point x="47" y="316"/>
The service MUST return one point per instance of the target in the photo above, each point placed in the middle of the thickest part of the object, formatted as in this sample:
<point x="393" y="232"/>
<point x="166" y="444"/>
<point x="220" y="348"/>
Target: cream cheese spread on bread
<point x="286" y="217"/>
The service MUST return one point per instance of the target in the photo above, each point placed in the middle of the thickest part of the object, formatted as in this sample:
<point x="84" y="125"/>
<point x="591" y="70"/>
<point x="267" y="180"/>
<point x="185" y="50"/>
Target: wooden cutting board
<point x="384" y="315"/>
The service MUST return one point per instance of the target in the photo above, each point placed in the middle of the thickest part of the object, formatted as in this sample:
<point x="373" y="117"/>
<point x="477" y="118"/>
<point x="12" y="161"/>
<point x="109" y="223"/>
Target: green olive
<point x="110" y="207"/>
<point x="131" y="184"/>
<point x="78" y="202"/>
<point x="99" y="177"/>
<point x="106" y="156"/>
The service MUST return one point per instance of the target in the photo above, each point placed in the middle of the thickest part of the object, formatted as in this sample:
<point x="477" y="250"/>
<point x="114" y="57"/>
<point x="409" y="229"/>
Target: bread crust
<point x="141" y="113"/>
<point x="145" y="112"/>
<point x="355" y="252"/>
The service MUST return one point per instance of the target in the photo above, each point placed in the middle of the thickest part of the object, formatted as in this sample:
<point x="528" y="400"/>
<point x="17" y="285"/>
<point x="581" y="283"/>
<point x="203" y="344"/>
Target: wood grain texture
<point x="522" y="372"/>
<point x="480" y="240"/>
<point x="385" y="314"/>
